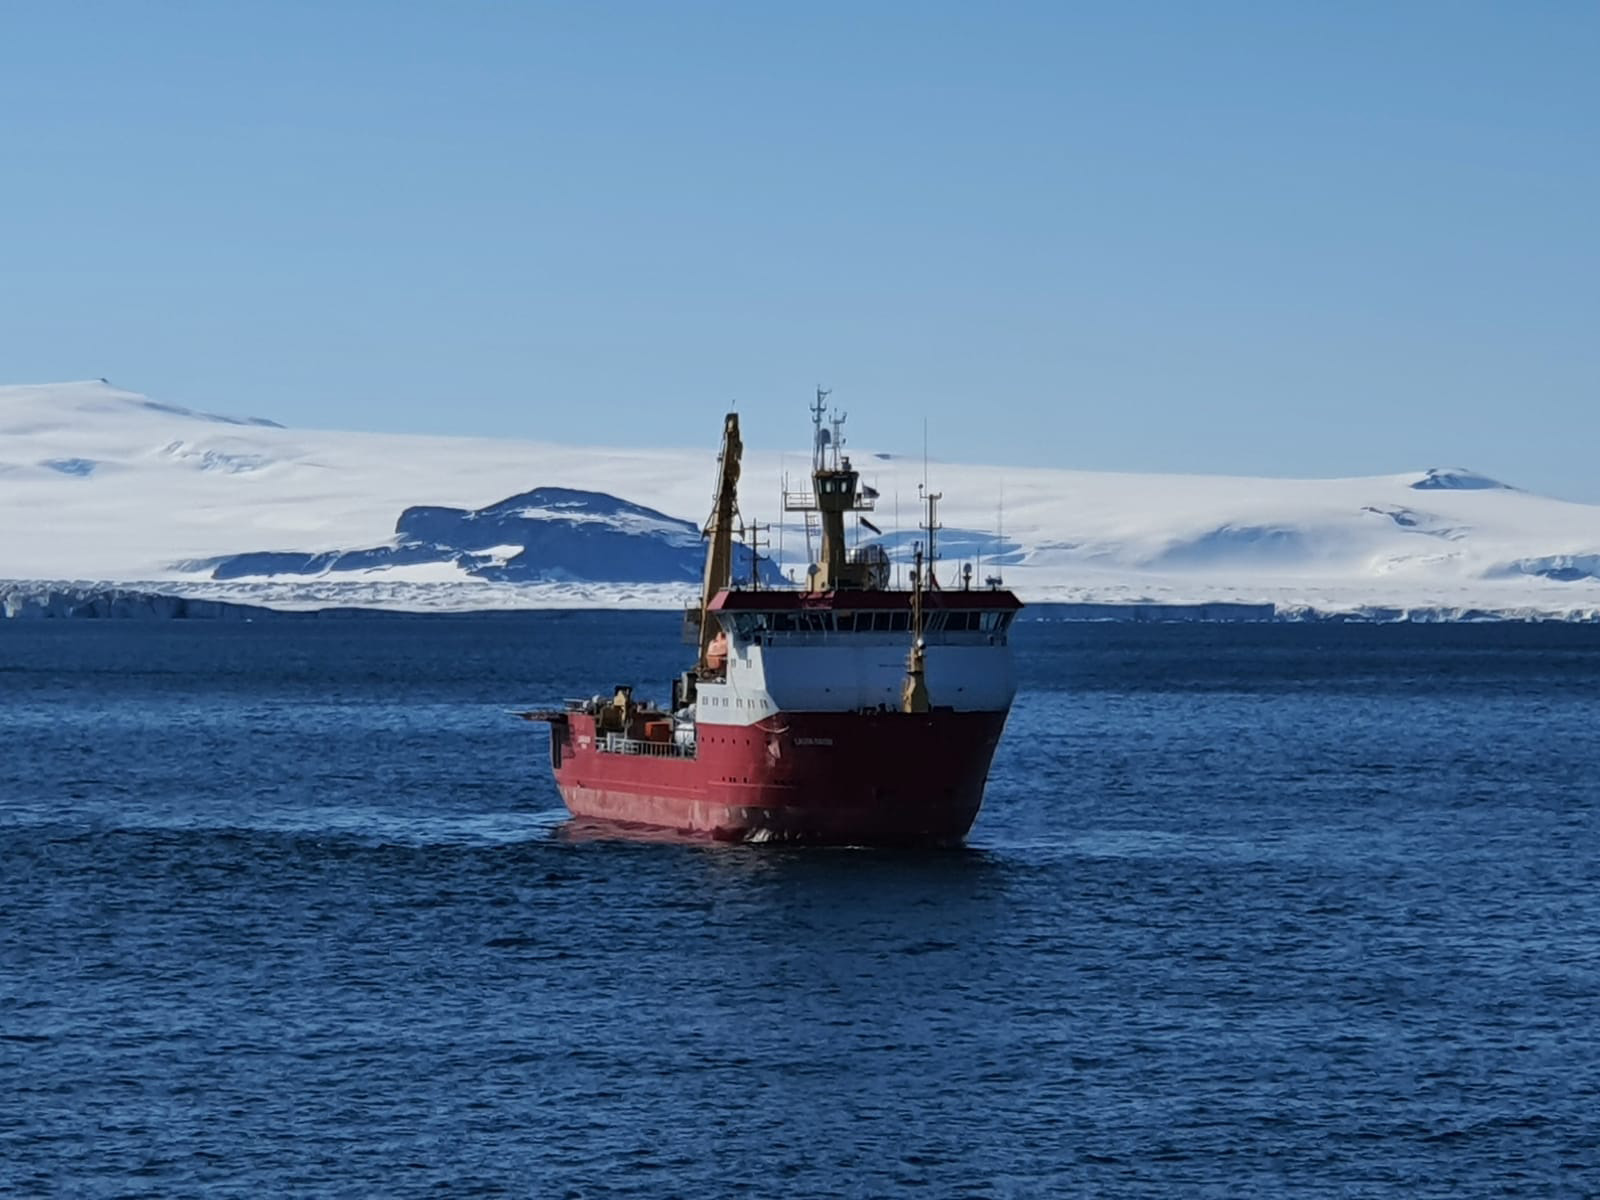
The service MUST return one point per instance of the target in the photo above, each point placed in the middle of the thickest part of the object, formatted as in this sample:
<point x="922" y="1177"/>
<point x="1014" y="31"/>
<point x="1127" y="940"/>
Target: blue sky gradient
<point x="1255" y="238"/>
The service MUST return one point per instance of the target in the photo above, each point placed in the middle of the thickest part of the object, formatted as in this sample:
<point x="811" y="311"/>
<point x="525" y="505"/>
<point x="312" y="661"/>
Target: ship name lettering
<point x="813" y="741"/>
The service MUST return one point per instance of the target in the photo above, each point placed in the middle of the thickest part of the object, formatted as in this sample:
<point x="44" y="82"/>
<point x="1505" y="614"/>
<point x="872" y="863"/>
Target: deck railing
<point x="614" y="743"/>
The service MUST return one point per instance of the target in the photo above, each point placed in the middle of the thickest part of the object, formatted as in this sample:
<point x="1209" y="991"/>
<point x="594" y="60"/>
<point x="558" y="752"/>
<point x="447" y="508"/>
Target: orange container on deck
<point x="658" y="731"/>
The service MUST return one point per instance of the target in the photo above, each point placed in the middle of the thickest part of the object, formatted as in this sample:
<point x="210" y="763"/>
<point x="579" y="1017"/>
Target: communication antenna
<point x="924" y="454"/>
<point x="931" y="499"/>
<point x="751" y="536"/>
<point x="1000" y="527"/>
<point x="995" y="581"/>
<point x="976" y="565"/>
<point x="897" y="538"/>
<point x="819" y="439"/>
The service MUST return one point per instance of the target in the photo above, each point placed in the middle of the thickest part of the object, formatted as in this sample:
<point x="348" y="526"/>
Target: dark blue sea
<point x="291" y="908"/>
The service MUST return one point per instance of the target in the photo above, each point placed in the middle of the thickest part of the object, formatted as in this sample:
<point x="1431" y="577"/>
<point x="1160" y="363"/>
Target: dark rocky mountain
<point x="549" y="534"/>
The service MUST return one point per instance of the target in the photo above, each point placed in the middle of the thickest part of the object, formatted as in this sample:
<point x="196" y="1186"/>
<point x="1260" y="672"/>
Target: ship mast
<point x="931" y="499"/>
<point x="719" y="529"/>
<point x="835" y="490"/>
<point x="914" y="688"/>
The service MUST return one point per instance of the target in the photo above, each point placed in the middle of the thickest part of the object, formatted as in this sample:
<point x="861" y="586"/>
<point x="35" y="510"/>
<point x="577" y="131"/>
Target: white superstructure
<point x="829" y="660"/>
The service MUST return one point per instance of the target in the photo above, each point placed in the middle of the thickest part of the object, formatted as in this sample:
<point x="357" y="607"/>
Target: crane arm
<point x="719" y="530"/>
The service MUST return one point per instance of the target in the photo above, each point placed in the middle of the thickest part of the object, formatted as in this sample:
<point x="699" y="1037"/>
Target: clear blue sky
<point x="1292" y="238"/>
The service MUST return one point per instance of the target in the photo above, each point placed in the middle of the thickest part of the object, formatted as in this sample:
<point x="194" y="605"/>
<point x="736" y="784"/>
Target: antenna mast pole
<point x="753" y="539"/>
<point x="932" y="499"/>
<point x="819" y="437"/>
<point x="897" y="537"/>
<point x="914" y="688"/>
<point x="999" y="533"/>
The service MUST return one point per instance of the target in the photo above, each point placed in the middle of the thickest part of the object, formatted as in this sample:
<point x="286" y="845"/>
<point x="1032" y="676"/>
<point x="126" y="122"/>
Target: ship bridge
<point x="745" y="615"/>
<point x="845" y="651"/>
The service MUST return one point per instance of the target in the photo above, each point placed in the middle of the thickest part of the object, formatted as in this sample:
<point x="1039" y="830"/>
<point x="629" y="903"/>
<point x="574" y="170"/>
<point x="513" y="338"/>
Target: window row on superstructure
<point x="746" y="625"/>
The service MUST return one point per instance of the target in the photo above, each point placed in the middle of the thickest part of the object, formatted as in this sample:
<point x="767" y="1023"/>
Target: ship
<point x="844" y="710"/>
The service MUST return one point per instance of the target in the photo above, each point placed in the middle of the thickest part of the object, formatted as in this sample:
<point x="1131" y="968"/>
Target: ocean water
<point x="292" y="909"/>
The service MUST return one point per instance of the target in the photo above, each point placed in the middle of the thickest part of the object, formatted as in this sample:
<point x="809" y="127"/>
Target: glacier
<point x="100" y="485"/>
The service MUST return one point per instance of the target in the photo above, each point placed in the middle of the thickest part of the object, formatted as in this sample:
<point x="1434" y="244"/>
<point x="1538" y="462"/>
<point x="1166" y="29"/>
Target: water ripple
<point x="1248" y="912"/>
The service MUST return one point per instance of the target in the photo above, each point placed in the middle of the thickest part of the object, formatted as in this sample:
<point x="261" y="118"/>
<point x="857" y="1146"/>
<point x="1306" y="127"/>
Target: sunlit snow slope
<point x="97" y="483"/>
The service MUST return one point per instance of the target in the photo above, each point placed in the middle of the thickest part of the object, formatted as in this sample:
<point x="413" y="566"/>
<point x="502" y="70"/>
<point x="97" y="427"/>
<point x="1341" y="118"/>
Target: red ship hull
<point x="848" y="778"/>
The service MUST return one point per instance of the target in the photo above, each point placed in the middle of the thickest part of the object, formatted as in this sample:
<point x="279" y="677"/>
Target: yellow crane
<point x="719" y="529"/>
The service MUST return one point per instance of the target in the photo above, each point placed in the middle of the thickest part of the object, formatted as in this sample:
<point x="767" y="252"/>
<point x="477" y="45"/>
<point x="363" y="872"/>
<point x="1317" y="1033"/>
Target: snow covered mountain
<point x="103" y="484"/>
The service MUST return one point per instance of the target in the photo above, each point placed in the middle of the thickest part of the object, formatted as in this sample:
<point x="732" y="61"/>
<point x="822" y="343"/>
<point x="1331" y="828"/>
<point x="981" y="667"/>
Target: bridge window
<point x="863" y="622"/>
<point x="745" y="626"/>
<point x="973" y="621"/>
